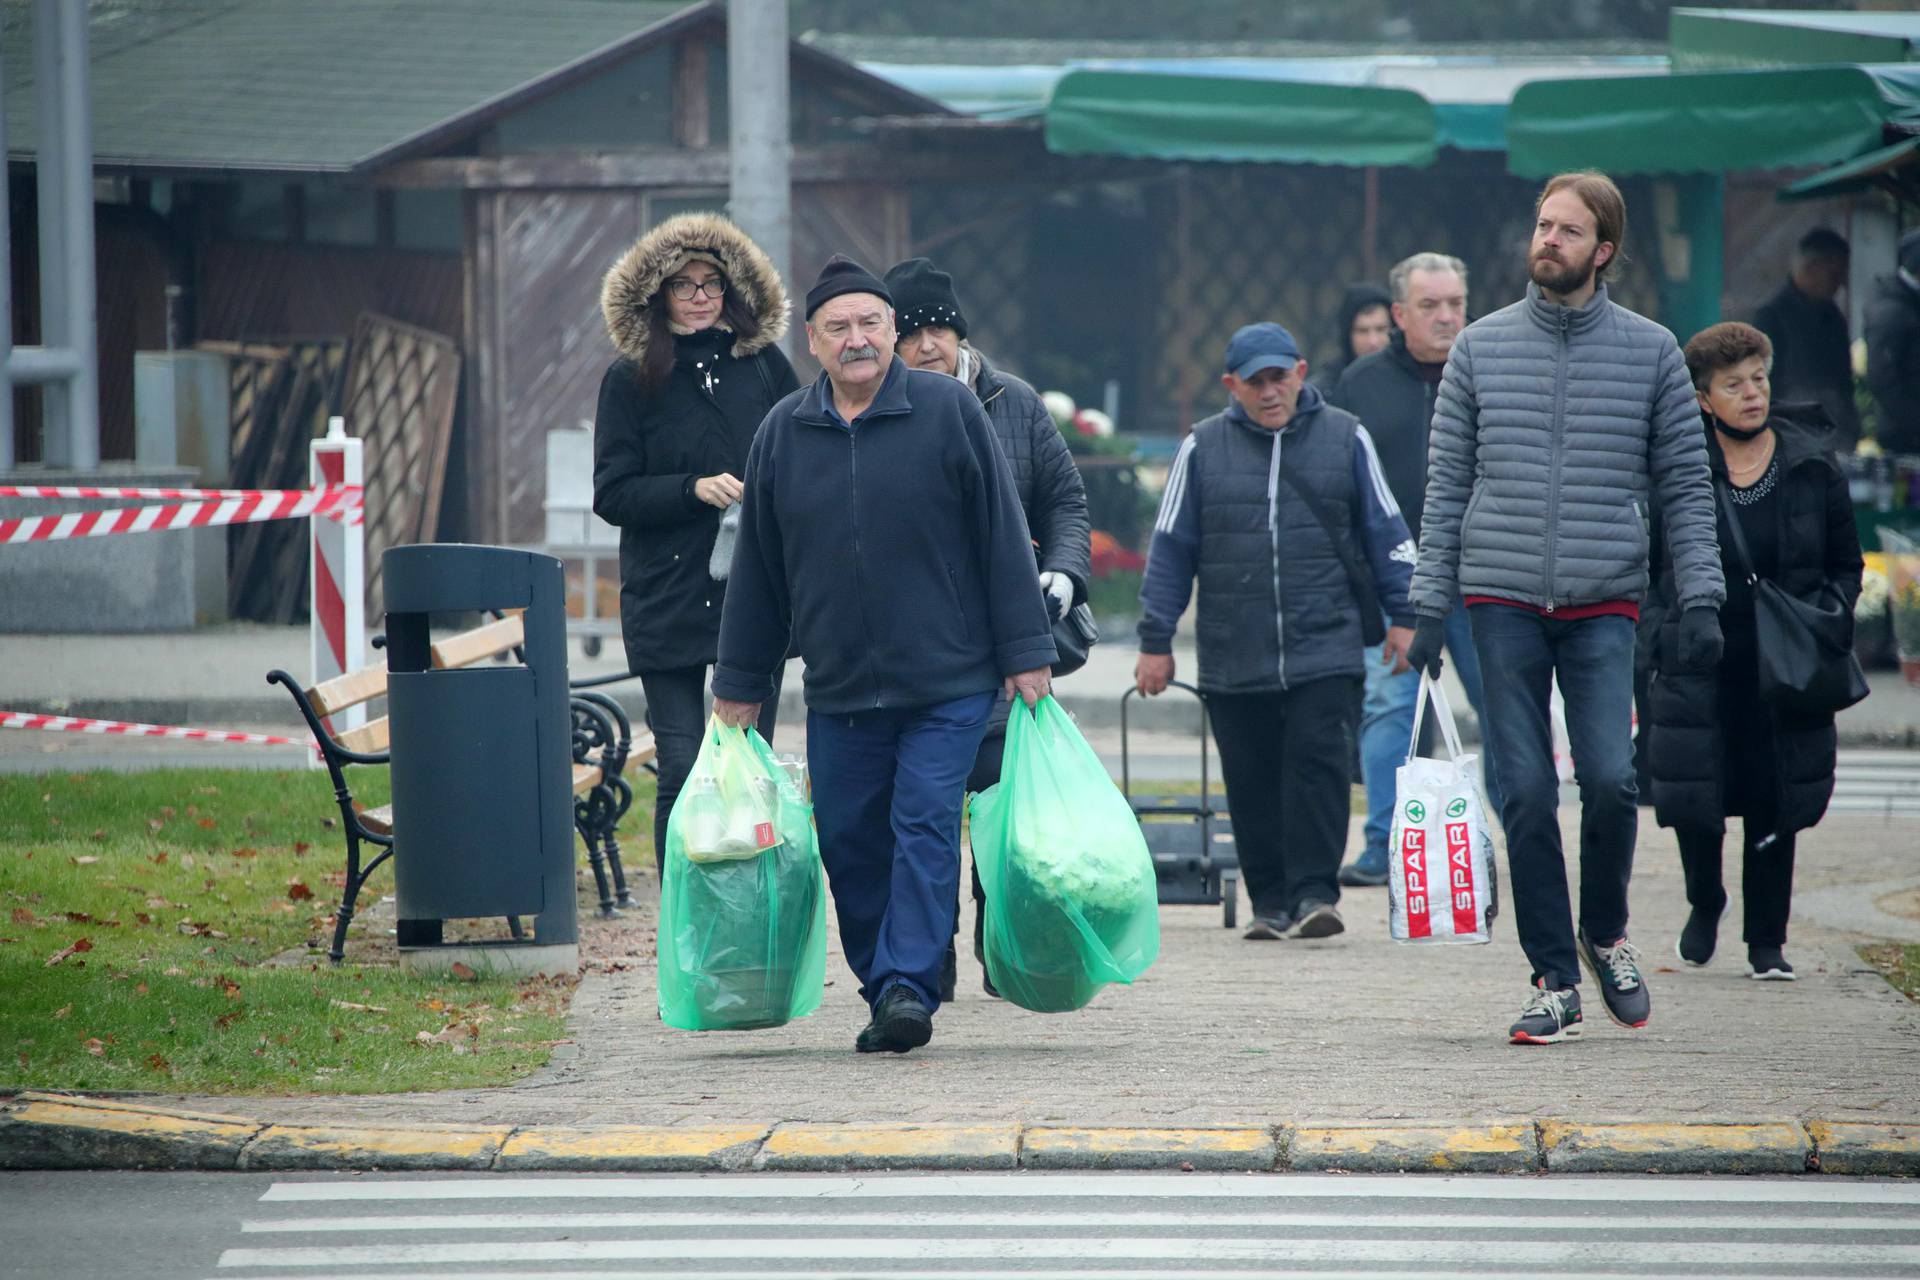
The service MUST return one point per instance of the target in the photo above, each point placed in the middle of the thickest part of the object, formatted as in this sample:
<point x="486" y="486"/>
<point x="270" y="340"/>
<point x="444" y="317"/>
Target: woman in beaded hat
<point x="694" y="310"/>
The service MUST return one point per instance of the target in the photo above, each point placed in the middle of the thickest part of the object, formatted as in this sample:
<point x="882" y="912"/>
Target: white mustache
<point x="859" y="353"/>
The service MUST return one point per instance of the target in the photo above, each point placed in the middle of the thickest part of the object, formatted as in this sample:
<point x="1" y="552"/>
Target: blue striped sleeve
<point x="1171" y="556"/>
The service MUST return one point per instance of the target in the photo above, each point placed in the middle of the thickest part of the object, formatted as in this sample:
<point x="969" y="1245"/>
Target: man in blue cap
<point x="1279" y="508"/>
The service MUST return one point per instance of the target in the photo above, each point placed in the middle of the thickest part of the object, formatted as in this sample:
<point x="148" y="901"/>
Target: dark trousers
<point x="1521" y="652"/>
<point x="1766" y="860"/>
<point x="677" y="715"/>
<point x="1286" y="758"/>
<point x="986" y="770"/>
<point x="887" y="791"/>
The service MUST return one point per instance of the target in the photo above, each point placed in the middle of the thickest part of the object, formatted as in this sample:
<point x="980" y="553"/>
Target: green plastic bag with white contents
<point x="1070" y="897"/>
<point x="742" y="942"/>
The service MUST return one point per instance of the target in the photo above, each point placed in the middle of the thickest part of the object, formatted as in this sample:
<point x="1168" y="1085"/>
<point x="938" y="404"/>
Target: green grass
<point x="168" y="891"/>
<point x="1898" y="963"/>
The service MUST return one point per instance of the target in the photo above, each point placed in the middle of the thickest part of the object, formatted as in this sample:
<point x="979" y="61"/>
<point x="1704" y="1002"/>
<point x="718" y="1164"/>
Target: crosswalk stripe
<point x="1548" y="1253"/>
<point x="1013" y="1220"/>
<point x="842" y="1273"/>
<point x="1185" y="1186"/>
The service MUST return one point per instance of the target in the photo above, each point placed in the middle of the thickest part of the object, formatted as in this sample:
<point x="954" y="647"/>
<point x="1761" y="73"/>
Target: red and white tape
<point x="230" y="506"/>
<point x="130" y="729"/>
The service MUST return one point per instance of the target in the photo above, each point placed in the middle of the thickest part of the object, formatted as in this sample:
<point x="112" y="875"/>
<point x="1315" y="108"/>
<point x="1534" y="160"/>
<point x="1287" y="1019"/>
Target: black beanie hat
<point x="923" y="295"/>
<point x="843" y="275"/>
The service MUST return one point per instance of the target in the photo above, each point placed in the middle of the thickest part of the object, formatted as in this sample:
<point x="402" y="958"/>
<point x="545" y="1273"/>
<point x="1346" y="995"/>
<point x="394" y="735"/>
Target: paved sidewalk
<point x="1223" y="1031"/>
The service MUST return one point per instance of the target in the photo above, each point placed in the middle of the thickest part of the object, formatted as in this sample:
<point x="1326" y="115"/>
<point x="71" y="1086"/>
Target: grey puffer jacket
<point x="1051" y="491"/>
<point x="1552" y="427"/>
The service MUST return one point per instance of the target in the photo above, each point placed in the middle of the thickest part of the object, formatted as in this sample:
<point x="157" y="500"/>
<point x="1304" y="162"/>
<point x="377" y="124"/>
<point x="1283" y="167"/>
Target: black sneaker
<point x="949" y="973"/>
<point x="1362" y="874"/>
<point x="900" y="1023"/>
<point x="1617" y="969"/>
<point x="1268" y="928"/>
<point x="1767" y="964"/>
<point x="1697" y="940"/>
<point x="1317" y="920"/>
<point x="1548" y="1018"/>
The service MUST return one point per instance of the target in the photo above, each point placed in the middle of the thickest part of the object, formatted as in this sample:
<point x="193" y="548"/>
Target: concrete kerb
<point x="58" y="1131"/>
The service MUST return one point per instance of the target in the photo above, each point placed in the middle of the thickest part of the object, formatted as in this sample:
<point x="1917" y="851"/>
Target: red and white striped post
<point x="338" y="569"/>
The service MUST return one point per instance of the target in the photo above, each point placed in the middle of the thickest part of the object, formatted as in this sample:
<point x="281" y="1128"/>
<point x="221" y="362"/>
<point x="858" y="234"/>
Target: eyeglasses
<point x="712" y="286"/>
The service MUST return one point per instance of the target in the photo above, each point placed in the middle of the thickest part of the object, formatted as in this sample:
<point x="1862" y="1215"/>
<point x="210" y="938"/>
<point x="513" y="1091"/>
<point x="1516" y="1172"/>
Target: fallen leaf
<point x="63" y="1011"/>
<point x="246" y="853"/>
<point x="94" y="1046"/>
<point x="186" y="860"/>
<point x="463" y="973"/>
<point x="229" y="987"/>
<point x="78" y="945"/>
<point x="173" y="971"/>
<point x="208" y="823"/>
<point x="99" y="833"/>
<point x="329" y="823"/>
<point x="300" y="847"/>
<point x="338" y="1035"/>
<point x="206" y="791"/>
<point x="226" y="1020"/>
<point x="362" y="1008"/>
<point x="298" y="891"/>
<point x="84" y="860"/>
<point x="437" y="1005"/>
<point x="166" y="811"/>
<point x="154" y="825"/>
<point x="22" y="915"/>
<point x="78" y="917"/>
<point x="140" y="989"/>
<point x="157" y="1063"/>
<point x="141" y="917"/>
<point x="158" y="858"/>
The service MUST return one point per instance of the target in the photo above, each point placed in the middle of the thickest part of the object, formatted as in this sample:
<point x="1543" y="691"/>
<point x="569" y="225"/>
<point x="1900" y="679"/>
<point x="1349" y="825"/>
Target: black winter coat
<point x="1394" y="402"/>
<point x="1893" y="363"/>
<point x="649" y="447"/>
<point x="1052" y="494"/>
<point x="1812" y="356"/>
<point x="1687" y="756"/>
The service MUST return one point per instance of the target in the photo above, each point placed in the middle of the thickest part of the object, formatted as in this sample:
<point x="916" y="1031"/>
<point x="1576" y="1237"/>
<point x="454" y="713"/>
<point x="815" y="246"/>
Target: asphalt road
<point x="81" y="1226"/>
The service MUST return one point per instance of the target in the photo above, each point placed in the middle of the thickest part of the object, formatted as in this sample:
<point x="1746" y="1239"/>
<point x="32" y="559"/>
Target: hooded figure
<point x="694" y="310"/>
<point x="1358" y="300"/>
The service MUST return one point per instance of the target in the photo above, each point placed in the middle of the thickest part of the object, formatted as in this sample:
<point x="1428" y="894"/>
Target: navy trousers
<point x="887" y="793"/>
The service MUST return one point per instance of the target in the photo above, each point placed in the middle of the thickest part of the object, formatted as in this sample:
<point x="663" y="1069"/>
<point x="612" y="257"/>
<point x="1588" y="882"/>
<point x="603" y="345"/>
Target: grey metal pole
<point x="9" y="455"/>
<point x="65" y="156"/>
<point x="759" y="135"/>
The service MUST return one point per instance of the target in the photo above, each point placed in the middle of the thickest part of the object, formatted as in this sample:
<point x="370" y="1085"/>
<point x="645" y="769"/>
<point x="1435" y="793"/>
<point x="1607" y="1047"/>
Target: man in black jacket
<point x="933" y="336"/>
<point x="1811" y="355"/>
<point x="880" y="531"/>
<point x="1893" y="351"/>
<point x="1392" y="392"/>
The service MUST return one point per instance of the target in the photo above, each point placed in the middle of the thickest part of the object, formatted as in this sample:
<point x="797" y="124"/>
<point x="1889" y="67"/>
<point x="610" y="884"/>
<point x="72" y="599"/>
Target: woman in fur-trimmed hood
<point x="693" y="310"/>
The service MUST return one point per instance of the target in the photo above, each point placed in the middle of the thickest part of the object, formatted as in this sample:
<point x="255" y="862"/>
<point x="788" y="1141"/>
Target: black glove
<point x="1429" y="637"/>
<point x="1700" y="640"/>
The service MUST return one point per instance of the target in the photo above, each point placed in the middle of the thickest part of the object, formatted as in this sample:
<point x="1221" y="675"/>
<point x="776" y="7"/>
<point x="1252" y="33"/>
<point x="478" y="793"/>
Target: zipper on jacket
<point x="1273" y="540"/>
<point x="859" y="576"/>
<point x="1557" y="425"/>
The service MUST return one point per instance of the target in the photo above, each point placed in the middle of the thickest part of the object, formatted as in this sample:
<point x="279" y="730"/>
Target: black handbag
<point x="1807" y="663"/>
<point x="1373" y="621"/>
<point x="1074" y="635"/>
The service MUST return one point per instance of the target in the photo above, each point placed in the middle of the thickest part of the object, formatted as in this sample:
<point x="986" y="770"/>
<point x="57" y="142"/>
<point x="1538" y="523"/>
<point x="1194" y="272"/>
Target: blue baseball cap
<point x="1260" y="346"/>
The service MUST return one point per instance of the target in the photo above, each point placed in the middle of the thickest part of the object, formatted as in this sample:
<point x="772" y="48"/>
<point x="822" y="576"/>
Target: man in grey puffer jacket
<point x="1556" y="418"/>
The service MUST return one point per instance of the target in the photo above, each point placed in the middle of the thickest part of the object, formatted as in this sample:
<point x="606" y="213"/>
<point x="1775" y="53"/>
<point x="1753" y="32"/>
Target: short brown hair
<point x="1723" y="346"/>
<point x="1603" y="201"/>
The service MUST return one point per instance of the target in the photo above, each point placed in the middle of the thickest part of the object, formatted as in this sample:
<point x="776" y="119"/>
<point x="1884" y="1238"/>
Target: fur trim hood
<point x="643" y="269"/>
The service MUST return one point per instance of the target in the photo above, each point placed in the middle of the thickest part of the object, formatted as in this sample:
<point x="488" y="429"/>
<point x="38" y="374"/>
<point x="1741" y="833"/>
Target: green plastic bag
<point x="743" y="939"/>
<point x="1071" y="902"/>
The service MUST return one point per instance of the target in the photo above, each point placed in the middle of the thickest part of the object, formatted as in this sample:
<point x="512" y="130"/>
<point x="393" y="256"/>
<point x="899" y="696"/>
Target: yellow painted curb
<point x="1860" y="1148"/>
<point x="1067" y="1147"/>
<point x="890" y="1146"/>
<point x="632" y="1147"/>
<point x="47" y="1131"/>
<point x="289" y="1146"/>
<point x="1766" y="1147"/>
<point x="1393" y="1148"/>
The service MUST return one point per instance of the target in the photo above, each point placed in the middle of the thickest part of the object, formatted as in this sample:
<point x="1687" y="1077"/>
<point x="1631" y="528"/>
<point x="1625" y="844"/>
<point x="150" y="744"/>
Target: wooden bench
<point x="604" y="751"/>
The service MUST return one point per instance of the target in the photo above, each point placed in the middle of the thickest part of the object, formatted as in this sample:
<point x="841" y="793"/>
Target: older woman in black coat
<point x="694" y="310"/>
<point x="1716" y="750"/>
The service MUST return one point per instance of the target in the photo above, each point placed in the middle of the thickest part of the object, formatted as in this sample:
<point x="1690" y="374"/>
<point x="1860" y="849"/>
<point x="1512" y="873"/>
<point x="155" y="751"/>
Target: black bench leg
<point x="612" y="845"/>
<point x="584" y="824"/>
<point x="514" y="927"/>
<point x="357" y="876"/>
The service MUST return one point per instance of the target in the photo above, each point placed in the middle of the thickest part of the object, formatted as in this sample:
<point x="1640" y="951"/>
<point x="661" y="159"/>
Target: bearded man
<point x="1559" y="418"/>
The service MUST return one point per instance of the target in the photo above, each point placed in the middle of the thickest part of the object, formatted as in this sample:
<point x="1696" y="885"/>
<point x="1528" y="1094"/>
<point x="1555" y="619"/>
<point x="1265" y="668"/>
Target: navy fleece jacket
<point x="891" y="549"/>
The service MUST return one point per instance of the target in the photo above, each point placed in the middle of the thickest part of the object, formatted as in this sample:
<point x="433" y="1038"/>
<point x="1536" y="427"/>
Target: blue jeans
<point x="1593" y="659"/>
<point x="1386" y="727"/>
<point x="887" y="792"/>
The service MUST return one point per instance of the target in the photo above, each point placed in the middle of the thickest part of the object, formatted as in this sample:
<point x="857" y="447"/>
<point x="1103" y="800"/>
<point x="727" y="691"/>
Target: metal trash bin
<point x="482" y="763"/>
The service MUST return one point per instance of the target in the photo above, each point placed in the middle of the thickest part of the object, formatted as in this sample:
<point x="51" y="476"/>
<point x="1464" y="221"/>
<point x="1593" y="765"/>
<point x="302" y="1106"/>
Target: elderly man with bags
<point x="880" y="530"/>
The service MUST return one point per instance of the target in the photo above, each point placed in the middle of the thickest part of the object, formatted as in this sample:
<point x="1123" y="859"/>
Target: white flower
<point x="1060" y="406"/>
<point x="1873" y="595"/>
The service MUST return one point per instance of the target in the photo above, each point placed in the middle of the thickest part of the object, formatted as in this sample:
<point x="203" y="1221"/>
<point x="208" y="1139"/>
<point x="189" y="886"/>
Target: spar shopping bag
<point x="1442" y="884"/>
<point x="742" y="941"/>
<point x="1070" y="898"/>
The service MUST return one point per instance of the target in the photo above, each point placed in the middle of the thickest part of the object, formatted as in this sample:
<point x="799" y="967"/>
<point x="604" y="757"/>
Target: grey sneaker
<point x="1317" y="920"/>
<point x="1548" y="1018"/>
<point x="1617" y="971"/>
<point x="1268" y="928"/>
<point x="1767" y="964"/>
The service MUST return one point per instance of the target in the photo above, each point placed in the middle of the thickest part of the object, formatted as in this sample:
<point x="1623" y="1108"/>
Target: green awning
<point x="1708" y="122"/>
<point x="1238" y="118"/>
<point x="1856" y="174"/>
